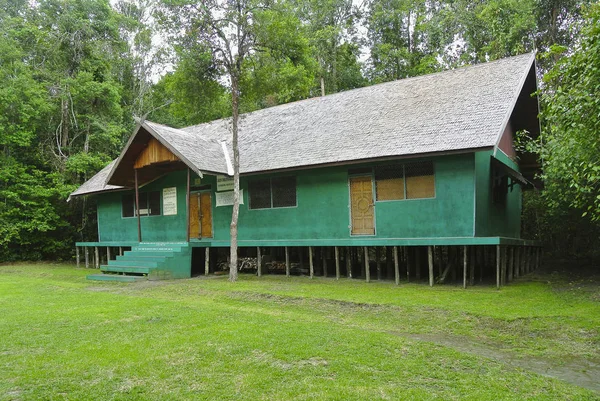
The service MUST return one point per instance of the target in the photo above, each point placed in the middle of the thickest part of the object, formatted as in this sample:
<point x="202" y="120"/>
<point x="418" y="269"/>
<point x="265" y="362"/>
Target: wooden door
<point x="361" y="206"/>
<point x="201" y="215"/>
<point x="194" y="215"/>
<point x="205" y="215"/>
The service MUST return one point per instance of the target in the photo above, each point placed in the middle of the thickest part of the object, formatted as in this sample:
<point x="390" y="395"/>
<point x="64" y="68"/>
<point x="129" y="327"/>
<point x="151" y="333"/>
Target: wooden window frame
<point x="271" y="204"/>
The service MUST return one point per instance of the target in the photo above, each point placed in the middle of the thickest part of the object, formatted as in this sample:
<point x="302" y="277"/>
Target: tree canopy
<point x="74" y="73"/>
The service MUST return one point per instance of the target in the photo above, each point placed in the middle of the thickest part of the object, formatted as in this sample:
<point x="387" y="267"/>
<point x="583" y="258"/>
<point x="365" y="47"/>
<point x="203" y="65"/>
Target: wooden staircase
<point x="149" y="260"/>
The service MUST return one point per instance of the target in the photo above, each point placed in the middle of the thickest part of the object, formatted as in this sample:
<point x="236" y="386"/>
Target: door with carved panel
<point x="361" y="206"/>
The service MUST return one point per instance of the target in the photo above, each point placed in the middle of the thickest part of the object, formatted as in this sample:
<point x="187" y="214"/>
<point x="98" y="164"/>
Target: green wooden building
<point x="417" y="177"/>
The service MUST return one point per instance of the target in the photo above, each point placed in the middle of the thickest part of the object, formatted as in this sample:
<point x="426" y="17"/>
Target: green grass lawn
<point x="277" y="338"/>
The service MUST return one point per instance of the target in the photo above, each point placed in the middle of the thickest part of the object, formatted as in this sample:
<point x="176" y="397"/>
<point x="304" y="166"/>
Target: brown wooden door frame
<point x="371" y="204"/>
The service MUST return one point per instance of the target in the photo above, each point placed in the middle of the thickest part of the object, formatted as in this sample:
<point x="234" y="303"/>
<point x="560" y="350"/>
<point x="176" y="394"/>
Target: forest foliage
<point x="73" y="73"/>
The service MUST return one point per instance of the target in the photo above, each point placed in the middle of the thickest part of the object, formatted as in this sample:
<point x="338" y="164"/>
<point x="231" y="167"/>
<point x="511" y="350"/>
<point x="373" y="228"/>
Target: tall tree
<point x="570" y="150"/>
<point x="402" y="40"/>
<point x="330" y="24"/>
<point x="227" y="30"/>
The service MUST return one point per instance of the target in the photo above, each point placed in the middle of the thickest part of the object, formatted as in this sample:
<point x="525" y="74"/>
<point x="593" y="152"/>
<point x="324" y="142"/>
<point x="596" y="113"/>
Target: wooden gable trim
<point x="155" y="152"/>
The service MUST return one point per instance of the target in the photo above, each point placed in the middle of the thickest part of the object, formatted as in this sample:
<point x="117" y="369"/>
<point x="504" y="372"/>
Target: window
<point x="272" y="193"/>
<point x="389" y="182"/>
<point x="149" y="204"/>
<point x="128" y="205"/>
<point x="405" y="181"/>
<point x="419" y="180"/>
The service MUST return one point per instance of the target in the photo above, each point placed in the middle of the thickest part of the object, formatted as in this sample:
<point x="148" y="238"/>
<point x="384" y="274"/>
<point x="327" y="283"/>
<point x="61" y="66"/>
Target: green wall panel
<point x="113" y="227"/>
<point x="322" y="211"/>
<point x="449" y="214"/>
<point x="493" y="219"/>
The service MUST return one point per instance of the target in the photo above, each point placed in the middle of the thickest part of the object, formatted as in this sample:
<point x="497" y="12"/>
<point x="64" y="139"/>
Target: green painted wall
<point x="322" y="211"/>
<point x="113" y="227"/>
<point x="493" y="219"/>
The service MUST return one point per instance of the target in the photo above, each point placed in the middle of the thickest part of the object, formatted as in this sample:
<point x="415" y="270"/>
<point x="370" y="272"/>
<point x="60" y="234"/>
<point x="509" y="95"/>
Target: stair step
<point x="141" y="262"/>
<point x="115" y="277"/>
<point x="156" y="249"/>
<point x="147" y="254"/>
<point x="126" y="269"/>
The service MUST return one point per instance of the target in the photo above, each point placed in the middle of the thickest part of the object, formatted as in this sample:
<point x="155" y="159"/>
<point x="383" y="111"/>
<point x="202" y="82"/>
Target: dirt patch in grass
<point x="581" y="372"/>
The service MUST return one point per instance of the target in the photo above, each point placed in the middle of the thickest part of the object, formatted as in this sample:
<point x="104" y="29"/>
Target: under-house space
<point x="416" y="180"/>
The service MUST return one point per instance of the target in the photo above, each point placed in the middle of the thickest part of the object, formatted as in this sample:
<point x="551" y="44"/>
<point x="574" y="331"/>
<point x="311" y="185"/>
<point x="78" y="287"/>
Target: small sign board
<point x="169" y="201"/>
<point x="226" y="198"/>
<point x="224" y="183"/>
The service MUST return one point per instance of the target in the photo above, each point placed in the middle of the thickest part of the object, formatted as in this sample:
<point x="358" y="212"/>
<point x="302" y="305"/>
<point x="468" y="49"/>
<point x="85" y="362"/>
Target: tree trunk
<point x="64" y="135"/>
<point x="233" y="228"/>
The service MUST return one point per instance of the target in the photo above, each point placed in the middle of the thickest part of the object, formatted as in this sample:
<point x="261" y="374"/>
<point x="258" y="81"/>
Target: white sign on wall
<point x="224" y="183"/>
<point x="169" y="201"/>
<point x="226" y="198"/>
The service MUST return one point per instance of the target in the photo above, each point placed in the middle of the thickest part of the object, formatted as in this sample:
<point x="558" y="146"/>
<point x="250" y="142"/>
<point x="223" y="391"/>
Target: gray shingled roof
<point x="467" y="108"/>
<point x="447" y="111"/>
<point x="97" y="183"/>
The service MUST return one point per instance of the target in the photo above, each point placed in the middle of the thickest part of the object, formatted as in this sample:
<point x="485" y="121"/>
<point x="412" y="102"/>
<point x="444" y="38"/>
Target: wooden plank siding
<point x="155" y="152"/>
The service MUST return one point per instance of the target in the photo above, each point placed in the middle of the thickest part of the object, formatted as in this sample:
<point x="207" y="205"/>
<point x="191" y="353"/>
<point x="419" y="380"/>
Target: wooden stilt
<point x="207" y="261"/>
<point x="360" y="256"/>
<point x="96" y="258"/>
<point x="396" y="266"/>
<point x="498" y="266"/>
<point x="367" y="270"/>
<point x="337" y="262"/>
<point x="258" y="262"/>
<point x="87" y="257"/>
<point x="528" y="266"/>
<point x="482" y="262"/>
<point x="473" y="264"/>
<point x="287" y="262"/>
<point x="378" y="261"/>
<point x="408" y="256"/>
<point x="465" y="265"/>
<point x="121" y="251"/>
<point x="430" y="257"/>
<point x="107" y="254"/>
<point x="77" y="255"/>
<point x="454" y="261"/>
<point x="438" y="259"/>
<point x="310" y="262"/>
<point x="324" y="260"/>
<point x="504" y="262"/>
<point x="417" y="253"/>
<point x="348" y="263"/>
<point x="516" y="262"/>
<point x="511" y="263"/>
<point x="389" y="264"/>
